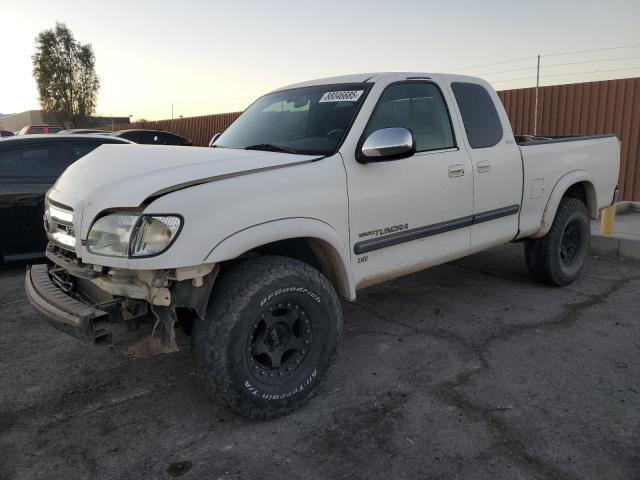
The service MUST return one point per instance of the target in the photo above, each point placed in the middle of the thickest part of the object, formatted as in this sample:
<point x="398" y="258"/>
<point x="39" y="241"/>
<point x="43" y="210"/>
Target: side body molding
<point x="324" y="239"/>
<point x="561" y="186"/>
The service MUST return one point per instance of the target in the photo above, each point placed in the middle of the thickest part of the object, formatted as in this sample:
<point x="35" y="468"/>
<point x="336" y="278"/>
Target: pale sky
<point x="217" y="56"/>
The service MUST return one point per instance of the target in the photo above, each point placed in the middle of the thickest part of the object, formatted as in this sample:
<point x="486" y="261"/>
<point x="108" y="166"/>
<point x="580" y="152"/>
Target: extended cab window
<point x="418" y="107"/>
<point x="479" y="114"/>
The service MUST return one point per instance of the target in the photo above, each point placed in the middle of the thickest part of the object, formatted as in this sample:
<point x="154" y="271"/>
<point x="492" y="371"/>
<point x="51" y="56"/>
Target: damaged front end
<point x="93" y="302"/>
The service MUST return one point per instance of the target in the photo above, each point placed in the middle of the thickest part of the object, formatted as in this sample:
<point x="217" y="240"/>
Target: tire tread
<point x="232" y="293"/>
<point x="541" y="254"/>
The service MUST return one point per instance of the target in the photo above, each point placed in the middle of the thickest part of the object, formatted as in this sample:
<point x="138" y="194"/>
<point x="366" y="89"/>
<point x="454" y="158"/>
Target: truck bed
<point x="527" y="140"/>
<point x="548" y="161"/>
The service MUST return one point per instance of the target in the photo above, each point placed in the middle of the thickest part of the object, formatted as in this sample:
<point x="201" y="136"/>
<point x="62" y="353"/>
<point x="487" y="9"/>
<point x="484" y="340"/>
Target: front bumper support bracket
<point x="63" y="311"/>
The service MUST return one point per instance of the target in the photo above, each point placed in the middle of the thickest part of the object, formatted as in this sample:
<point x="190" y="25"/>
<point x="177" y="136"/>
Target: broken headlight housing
<point x="135" y="236"/>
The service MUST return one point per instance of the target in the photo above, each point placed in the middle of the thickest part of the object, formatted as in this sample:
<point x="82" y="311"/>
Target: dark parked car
<point x="29" y="166"/>
<point x="6" y="133"/>
<point x="153" y="137"/>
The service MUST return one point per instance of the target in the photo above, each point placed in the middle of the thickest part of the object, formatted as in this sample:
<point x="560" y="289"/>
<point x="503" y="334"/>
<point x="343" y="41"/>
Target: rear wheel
<point x="270" y="336"/>
<point x="558" y="257"/>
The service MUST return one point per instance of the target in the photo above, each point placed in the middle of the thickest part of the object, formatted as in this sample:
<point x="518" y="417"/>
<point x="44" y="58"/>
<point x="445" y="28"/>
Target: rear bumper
<point x="62" y="311"/>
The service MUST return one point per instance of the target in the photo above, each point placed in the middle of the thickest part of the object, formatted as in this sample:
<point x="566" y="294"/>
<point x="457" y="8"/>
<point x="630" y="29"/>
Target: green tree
<point x="64" y="71"/>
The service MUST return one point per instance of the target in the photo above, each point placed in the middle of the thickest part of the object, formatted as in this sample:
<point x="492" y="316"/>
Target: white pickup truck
<point x="316" y="191"/>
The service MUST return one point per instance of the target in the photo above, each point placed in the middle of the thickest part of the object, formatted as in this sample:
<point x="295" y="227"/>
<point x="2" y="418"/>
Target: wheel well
<point x="313" y="252"/>
<point x="296" y="248"/>
<point x="584" y="192"/>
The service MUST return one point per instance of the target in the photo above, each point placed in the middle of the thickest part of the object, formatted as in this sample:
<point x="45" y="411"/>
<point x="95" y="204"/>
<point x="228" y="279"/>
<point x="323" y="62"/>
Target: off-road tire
<point x="224" y="345"/>
<point x="548" y="258"/>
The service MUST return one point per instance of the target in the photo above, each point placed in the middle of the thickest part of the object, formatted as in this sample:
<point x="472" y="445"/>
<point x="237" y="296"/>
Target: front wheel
<point x="558" y="257"/>
<point x="270" y="336"/>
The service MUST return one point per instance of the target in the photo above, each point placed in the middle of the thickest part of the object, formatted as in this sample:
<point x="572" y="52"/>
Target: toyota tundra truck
<point x="316" y="191"/>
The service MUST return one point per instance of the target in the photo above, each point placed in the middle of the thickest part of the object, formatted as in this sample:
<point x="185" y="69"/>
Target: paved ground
<point x="466" y="371"/>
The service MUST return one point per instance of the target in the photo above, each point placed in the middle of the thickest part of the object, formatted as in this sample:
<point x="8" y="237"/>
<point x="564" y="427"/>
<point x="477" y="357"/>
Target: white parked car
<point x="316" y="191"/>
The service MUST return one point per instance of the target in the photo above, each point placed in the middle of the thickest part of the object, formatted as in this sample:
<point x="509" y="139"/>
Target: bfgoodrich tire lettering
<point x="270" y="336"/>
<point x="558" y="257"/>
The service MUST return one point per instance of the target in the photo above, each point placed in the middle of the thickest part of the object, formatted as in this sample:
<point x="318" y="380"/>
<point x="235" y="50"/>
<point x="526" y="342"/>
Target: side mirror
<point x="387" y="144"/>
<point x="214" y="138"/>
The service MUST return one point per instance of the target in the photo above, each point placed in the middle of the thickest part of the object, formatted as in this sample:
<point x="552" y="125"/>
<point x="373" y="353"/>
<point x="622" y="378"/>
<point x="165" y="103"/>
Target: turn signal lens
<point x="153" y="235"/>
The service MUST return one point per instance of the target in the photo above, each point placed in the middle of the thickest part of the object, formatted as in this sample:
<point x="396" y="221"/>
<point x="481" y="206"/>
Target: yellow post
<point x="608" y="220"/>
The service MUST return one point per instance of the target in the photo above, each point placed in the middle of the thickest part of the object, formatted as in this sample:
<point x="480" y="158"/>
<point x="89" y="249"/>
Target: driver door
<point x="408" y="214"/>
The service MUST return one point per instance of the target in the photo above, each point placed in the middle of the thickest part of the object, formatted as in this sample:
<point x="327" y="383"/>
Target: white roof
<point x="373" y="77"/>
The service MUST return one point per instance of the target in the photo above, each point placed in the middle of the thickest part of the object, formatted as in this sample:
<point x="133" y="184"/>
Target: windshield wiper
<point x="269" y="147"/>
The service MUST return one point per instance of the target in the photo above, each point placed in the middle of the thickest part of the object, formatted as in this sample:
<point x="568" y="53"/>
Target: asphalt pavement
<point x="469" y="370"/>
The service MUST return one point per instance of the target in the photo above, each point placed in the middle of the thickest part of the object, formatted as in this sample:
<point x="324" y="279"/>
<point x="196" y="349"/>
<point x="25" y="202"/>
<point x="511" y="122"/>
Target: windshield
<point x="308" y="120"/>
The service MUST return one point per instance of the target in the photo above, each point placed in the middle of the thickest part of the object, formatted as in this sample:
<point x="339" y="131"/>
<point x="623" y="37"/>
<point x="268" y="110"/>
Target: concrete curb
<point x="622" y="207"/>
<point x="619" y="245"/>
<point x="612" y="246"/>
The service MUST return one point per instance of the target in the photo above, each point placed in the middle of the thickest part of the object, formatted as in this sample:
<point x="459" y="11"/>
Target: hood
<point x="126" y="176"/>
<point x="129" y="174"/>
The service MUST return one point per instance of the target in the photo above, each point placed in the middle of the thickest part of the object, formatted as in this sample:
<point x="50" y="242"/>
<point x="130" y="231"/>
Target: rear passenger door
<point x="497" y="179"/>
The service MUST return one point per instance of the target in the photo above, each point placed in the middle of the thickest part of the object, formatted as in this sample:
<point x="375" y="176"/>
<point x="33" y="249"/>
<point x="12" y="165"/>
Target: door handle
<point x="484" y="166"/>
<point x="456" y="170"/>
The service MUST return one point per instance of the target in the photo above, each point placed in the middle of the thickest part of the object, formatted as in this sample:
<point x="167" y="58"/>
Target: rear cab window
<point x="479" y="115"/>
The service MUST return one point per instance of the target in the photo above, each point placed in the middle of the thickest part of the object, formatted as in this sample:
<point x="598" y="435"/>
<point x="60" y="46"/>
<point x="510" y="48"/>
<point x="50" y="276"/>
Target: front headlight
<point x="126" y="235"/>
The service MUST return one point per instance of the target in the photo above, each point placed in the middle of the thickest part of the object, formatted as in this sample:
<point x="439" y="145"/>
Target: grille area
<point x="58" y="222"/>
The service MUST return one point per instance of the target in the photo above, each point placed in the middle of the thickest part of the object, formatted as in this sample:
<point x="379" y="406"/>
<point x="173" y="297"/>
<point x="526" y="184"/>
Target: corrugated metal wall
<point x="591" y="108"/>
<point x="198" y="129"/>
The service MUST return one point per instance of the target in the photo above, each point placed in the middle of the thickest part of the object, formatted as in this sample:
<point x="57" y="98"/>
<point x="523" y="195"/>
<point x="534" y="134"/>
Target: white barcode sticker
<point x="341" y="96"/>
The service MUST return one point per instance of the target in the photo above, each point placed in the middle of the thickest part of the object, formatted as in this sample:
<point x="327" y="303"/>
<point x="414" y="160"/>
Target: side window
<point x="26" y="162"/>
<point x="173" y="139"/>
<point x="80" y="149"/>
<point x="35" y="130"/>
<point x="151" y="138"/>
<point x="418" y="107"/>
<point x="135" y="137"/>
<point x="53" y="129"/>
<point x="479" y="114"/>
